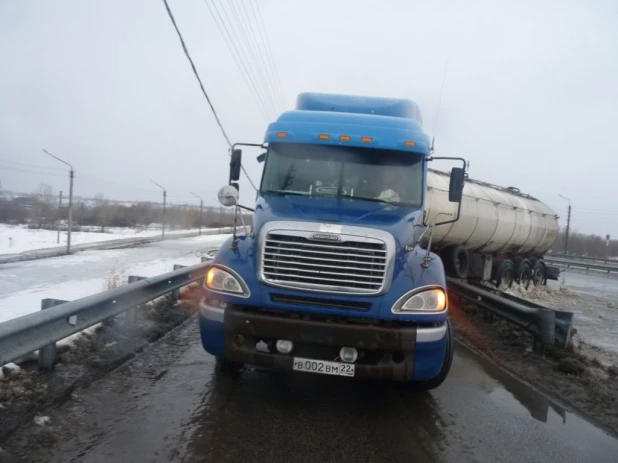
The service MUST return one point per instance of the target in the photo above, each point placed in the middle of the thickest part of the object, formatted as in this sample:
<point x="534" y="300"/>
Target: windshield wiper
<point x="375" y="200"/>
<point x="284" y="192"/>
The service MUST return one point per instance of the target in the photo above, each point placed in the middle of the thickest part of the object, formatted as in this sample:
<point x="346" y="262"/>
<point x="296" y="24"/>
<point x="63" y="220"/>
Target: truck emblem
<point x="325" y="237"/>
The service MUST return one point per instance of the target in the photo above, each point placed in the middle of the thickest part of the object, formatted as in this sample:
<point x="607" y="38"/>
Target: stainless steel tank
<point x="493" y="219"/>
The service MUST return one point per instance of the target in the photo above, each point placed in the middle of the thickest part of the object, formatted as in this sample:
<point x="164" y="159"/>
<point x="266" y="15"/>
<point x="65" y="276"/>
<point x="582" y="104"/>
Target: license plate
<point x="323" y="367"/>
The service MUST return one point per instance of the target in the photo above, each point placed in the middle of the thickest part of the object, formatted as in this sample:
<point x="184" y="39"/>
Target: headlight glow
<point x="218" y="279"/>
<point x="430" y="300"/>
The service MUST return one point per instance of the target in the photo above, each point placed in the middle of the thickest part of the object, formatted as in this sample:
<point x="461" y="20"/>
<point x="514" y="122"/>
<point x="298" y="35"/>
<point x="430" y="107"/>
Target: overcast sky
<point x="530" y="98"/>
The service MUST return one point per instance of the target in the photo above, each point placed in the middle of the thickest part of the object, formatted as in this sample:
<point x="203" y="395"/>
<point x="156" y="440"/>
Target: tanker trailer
<point x="501" y="235"/>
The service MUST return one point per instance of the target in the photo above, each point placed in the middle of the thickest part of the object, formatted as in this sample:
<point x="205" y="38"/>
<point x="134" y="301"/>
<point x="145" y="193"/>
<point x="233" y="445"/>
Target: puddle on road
<point x="523" y="399"/>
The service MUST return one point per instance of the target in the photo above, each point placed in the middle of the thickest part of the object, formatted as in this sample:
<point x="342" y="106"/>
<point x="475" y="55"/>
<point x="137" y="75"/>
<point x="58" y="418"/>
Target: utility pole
<point x="201" y="209"/>
<point x="566" y="240"/>
<point x="163" y="215"/>
<point x="71" y="176"/>
<point x="59" y="215"/>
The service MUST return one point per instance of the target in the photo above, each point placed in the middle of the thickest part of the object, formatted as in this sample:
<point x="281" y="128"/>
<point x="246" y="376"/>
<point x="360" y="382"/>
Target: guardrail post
<point x="47" y="354"/>
<point x="130" y="315"/>
<point x="176" y="292"/>
<point x="546" y="324"/>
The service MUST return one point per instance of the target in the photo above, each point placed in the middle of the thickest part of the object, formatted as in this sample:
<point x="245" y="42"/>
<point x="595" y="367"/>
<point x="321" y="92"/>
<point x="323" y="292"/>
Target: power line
<point x="184" y="47"/>
<point x="268" y="46"/>
<point x="238" y="60"/>
<point x="270" y="60"/>
<point x="30" y="171"/>
<point x="256" y="61"/>
<point x="245" y="58"/>
<point x="19" y="163"/>
<point x="197" y="76"/>
<point x="264" y="61"/>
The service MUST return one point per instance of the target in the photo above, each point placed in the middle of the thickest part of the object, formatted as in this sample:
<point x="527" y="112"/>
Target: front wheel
<point x="227" y="366"/>
<point x="433" y="383"/>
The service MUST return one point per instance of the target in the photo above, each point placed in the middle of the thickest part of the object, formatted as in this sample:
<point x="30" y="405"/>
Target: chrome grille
<point x="353" y="266"/>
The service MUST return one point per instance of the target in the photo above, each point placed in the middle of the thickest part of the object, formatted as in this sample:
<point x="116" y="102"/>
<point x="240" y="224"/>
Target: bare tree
<point x="45" y="192"/>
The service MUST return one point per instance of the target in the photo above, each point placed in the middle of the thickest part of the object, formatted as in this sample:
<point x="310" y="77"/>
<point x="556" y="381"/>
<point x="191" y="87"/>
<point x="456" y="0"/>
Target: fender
<point x="240" y="258"/>
<point x="414" y="275"/>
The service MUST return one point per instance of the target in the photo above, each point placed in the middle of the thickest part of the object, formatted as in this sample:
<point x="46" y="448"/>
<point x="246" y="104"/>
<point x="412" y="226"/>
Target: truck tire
<point x="427" y="385"/>
<point x="523" y="273"/>
<point x="227" y="366"/>
<point x="504" y="274"/>
<point x="539" y="273"/>
<point x="456" y="261"/>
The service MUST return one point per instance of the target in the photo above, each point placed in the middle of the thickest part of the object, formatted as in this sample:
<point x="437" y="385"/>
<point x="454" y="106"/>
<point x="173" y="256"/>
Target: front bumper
<point x="396" y="353"/>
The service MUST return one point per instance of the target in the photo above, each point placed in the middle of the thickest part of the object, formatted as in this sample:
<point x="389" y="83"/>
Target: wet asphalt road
<point x="170" y="404"/>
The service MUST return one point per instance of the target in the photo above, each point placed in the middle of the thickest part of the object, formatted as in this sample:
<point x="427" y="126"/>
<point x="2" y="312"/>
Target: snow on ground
<point x="24" y="284"/>
<point x="19" y="238"/>
<point x="9" y="366"/>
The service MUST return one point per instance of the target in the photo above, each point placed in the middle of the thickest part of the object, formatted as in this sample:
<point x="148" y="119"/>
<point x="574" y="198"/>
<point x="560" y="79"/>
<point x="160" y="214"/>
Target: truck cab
<point x="331" y="277"/>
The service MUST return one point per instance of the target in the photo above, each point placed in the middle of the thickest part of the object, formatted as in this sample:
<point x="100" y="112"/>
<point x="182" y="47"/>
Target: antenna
<point x="435" y="122"/>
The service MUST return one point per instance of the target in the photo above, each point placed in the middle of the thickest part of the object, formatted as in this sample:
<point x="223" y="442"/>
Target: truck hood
<point x="397" y="220"/>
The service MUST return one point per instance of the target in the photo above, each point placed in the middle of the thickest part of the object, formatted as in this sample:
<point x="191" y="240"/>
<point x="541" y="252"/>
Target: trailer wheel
<point x="504" y="274"/>
<point x="539" y="273"/>
<point x="456" y="261"/>
<point x="523" y="273"/>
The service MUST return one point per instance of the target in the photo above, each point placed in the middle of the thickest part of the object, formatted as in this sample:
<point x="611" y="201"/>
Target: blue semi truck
<point x="332" y="276"/>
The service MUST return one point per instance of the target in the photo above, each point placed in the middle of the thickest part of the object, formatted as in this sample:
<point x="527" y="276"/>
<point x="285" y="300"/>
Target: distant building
<point x="25" y="202"/>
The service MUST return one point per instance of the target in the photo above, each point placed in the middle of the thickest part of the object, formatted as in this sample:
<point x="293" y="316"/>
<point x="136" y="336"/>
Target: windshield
<point x="355" y="172"/>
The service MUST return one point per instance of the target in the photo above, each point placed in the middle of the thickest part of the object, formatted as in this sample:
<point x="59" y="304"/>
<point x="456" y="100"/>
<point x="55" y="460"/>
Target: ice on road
<point x="24" y="284"/>
<point x="15" y="239"/>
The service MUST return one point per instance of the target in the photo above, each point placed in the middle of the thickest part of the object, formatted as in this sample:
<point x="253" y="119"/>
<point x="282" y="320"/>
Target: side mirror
<point x="228" y="196"/>
<point x="261" y="157"/>
<point x="456" y="185"/>
<point x="235" y="164"/>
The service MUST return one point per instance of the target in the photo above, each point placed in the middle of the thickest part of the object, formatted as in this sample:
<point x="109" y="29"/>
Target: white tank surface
<point x="493" y="219"/>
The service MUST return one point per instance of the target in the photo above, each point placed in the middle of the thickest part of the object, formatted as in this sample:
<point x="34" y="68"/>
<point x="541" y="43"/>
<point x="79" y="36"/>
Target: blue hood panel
<point x="399" y="221"/>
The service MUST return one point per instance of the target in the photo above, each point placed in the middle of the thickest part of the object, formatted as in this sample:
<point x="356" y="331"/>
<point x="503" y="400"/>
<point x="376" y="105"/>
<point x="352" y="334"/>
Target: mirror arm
<point x="465" y="167"/>
<point x="246" y="208"/>
<point x="261" y="145"/>
<point x="452" y="220"/>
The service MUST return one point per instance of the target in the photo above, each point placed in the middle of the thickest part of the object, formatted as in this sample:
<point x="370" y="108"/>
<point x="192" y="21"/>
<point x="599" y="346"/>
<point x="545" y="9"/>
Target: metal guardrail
<point x="581" y="264"/>
<point x="588" y="258"/>
<point x="60" y="319"/>
<point x="548" y="326"/>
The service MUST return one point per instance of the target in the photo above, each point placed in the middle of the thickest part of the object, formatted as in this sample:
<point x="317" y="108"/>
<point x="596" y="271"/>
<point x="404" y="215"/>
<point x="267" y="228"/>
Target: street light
<point x="566" y="240"/>
<point x="72" y="176"/>
<point x="201" y="208"/>
<point x="163" y="216"/>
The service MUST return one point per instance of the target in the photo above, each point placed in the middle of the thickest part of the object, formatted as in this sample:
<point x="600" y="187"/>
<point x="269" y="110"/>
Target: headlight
<point x="429" y="300"/>
<point x="223" y="281"/>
